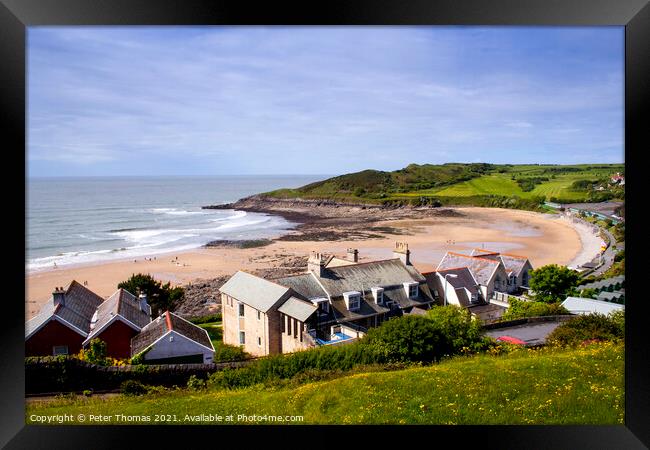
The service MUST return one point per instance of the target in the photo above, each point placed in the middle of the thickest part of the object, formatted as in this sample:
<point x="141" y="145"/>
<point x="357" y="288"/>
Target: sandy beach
<point x="543" y="238"/>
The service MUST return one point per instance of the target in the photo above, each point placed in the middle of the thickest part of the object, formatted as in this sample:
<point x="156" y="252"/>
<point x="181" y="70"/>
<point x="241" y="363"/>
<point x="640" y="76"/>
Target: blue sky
<point x="319" y="100"/>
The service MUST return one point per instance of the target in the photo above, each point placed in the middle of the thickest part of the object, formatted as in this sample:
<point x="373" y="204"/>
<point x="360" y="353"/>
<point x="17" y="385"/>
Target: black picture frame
<point x="16" y="15"/>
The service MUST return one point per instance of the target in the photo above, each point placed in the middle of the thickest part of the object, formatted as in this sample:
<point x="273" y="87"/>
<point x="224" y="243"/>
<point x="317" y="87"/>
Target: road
<point x="608" y="256"/>
<point x="530" y="333"/>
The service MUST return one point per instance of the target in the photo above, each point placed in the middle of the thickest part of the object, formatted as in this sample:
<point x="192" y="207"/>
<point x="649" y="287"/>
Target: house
<point x="489" y="273"/>
<point x="170" y="339"/>
<point x="459" y="284"/>
<point x="579" y="305"/>
<point x="617" y="178"/>
<point x="75" y="315"/>
<point x="517" y="268"/>
<point x="63" y="323"/>
<point x="117" y="320"/>
<point x="335" y="301"/>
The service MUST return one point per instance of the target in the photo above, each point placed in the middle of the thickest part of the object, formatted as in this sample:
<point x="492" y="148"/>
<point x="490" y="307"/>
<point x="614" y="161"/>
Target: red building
<point x="117" y="320"/>
<point x="76" y="315"/>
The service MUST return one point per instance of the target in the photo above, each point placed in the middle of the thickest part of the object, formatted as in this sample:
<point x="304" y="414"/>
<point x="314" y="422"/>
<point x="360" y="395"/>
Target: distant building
<point x="579" y="305"/>
<point x="335" y="301"/>
<point x="617" y="178"/>
<point x="76" y="315"/>
<point x="170" y="339"/>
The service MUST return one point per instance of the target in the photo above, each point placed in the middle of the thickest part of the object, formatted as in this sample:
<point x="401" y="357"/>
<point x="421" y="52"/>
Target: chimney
<point x="316" y="263"/>
<point x="58" y="296"/>
<point x="144" y="306"/>
<point x="353" y="255"/>
<point x="402" y="252"/>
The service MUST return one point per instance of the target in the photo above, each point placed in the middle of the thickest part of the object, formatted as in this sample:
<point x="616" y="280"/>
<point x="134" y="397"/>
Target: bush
<point x="588" y="327"/>
<point x="462" y="333"/>
<point x="133" y="387"/>
<point x="205" y="319"/>
<point x="196" y="384"/>
<point x="520" y="309"/>
<point x="408" y="338"/>
<point x="95" y="353"/>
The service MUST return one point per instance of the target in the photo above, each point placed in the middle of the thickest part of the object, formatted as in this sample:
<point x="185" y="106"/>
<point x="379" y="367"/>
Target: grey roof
<point x="609" y="296"/>
<point x="254" y="291"/>
<point x="481" y="268"/>
<point x="386" y="273"/>
<point x="78" y="309"/>
<point x="303" y="284"/>
<point x="463" y="279"/>
<point x="461" y="293"/>
<point x="367" y="308"/>
<point x="121" y="303"/>
<point x="162" y="325"/>
<point x="578" y="305"/>
<point x="513" y="263"/>
<point x="298" y="309"/>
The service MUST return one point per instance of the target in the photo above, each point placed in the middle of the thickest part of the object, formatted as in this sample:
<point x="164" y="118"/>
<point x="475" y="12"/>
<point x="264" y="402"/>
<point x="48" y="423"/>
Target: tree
<point x="161" y="297"/>
<point x="553" y="283"/>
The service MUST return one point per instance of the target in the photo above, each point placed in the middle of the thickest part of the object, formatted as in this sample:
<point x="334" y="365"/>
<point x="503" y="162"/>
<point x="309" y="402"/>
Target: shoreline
<point x="430" y="232"/>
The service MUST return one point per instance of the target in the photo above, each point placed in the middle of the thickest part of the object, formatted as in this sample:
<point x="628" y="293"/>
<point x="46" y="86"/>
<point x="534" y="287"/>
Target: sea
<point x="72" y="221"/>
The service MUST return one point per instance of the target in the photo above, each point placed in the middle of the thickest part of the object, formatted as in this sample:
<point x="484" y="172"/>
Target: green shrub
<point x="520" y="309"/>
<point x="461" y="332"/>
<point x="196" y="384"/>
<point x="587" y="328"/>
<point x="133" y="387"/>
<point x="205" y="319"/>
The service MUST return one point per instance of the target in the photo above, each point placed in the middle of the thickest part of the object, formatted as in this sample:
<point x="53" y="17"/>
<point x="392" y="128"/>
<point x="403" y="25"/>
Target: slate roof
<point x="298" y="309"/>
<point x="481" y="268"/>
<point x="164" y="324"/>
<point x="578" y="305"/>
<point x="386" y="273"/>
<point x="254" y="291"/>
<point x="512" y="263"/>
<point x="121" y="303"/>
<point x="79" y="307"/>
<point x="303" y="284"/>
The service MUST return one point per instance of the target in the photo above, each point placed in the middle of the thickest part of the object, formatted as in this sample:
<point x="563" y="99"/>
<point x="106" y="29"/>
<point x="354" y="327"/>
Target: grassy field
<point x="454" y="182"/>
<point x="547" y="386"/>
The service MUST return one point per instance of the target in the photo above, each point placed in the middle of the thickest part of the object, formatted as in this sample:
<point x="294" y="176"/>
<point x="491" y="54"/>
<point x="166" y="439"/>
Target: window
<point x="413" y="291"/>
<point x="324" y="307"/>
<point x="241" y="310"/>
<point x="242" y="337"/>
<point x="259" y="341"/>
<point x="354" y="302"/>
<point x="259" y="315"/>
<point x="289" y="325"/>
<point x="60" y="350"/>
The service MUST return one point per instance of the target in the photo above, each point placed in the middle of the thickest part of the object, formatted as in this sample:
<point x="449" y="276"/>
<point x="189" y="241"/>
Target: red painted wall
<point x="51" y="334"/>
<point x="118" y="339"/>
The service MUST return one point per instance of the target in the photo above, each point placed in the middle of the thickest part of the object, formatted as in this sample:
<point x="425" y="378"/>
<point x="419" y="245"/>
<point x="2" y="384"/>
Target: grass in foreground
<point x="548" y="386"/>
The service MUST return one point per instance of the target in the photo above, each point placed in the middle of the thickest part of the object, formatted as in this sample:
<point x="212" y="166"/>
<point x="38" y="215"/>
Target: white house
<point x="171" y="339"/>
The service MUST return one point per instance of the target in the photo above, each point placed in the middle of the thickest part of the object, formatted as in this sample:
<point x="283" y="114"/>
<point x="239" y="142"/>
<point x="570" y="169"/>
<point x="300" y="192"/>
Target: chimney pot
<point x="353" y="255"/>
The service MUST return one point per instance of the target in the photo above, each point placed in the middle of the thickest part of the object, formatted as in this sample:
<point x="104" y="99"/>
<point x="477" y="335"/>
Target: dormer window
<point x="411" y="289"/>
<point x="323" y="305"/>
<point x="352" y="300"/>
<point x="378" y="295"/>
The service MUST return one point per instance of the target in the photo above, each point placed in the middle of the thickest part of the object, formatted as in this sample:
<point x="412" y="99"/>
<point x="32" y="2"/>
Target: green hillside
<point x="546" y="386"/>
<point x="456" y="183"/>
